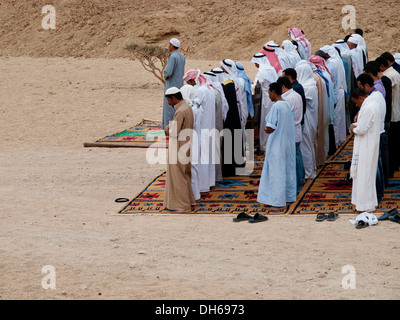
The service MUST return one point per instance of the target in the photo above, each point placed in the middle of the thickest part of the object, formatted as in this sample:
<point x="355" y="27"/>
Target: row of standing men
<point x="317" y="88"/>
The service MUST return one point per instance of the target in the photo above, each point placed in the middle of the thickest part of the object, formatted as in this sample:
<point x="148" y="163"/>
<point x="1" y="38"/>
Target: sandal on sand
<point x="121" y="200"/>
<point x="361" y="224"/>
<point x="387" y="214"/>
<point x="332" y="216"/>
<point x="321" y="217"/>
<point x="395" y="218"/>
<point x="242" y="217"/>
<point x="258" y="218"/>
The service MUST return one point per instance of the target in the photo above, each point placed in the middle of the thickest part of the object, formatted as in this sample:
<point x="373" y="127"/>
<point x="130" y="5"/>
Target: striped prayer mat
<point x="147" y="133"/>
<point x="330" y="192"/>
<point x="233" y="195"/>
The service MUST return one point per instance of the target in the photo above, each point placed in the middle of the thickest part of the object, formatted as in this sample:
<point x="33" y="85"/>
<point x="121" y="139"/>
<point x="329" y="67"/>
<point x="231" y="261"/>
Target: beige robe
<point x="178" y="185"/>
<point x="219" y="125"/>
<point x="322" y="136"/>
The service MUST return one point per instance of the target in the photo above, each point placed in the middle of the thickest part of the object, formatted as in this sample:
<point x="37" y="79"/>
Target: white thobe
<point x="365" y="156"/>
<point x="207" y="153"/>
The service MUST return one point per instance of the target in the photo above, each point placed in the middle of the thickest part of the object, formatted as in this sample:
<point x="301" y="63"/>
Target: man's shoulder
<point x="229" y="81"/>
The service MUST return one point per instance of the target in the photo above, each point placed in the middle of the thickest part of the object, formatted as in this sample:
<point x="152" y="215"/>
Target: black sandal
<point x="258" y="218"/>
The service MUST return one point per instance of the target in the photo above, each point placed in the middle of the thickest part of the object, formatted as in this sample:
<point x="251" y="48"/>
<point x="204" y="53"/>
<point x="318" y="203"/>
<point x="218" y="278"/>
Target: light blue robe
<point x="278" y="177"/>
<point x="173" y="75"/>
<point x="332" y="99"/>
<point x="247" y="87"/>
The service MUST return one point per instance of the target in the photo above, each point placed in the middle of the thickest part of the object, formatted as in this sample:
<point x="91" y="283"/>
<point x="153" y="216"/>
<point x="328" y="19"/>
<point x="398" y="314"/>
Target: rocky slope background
<point x="208" y="29"/>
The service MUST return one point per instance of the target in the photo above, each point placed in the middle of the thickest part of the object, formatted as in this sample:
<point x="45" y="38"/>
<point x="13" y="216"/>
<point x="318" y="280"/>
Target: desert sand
<point x="57" y="197"/>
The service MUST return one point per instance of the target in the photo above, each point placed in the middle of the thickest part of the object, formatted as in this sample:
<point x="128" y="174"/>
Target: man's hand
<point x="269" y="130"/>
<point x="352" y="127"/>
<point x="166" y="130"/>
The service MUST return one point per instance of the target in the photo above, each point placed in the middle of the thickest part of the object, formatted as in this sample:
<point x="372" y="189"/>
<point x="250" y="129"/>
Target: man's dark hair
<point x="284" y="81"/>
<point x="387" y="56"/>
<point x="338" y="50"/>
<point x="372" y="68"/>
<point x="276" y="87"/>
<point x="177" y="95"/>
<point x="290" y="72"/>
<point x="347" y="37"/>
<point x="358" y="92"/>
<point x="321" y="54"/>
<point x="359" y="31"/>
<point x="382" y="62"/>
<point x="365" y="78"/>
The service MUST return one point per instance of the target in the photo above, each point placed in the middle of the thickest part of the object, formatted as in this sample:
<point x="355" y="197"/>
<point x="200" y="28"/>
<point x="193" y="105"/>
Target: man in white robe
<point x="207" y="139"/>
<point x="305" y="76"/>
<point x="189" y="94"/>
<point x="365" y="152"/>
<point x="340" y="87"/>
<point x="278" y="177"/>
<point x="229" y="66"/>
<point x="265" y="76"/>
<point x="282" y="56"/>
<point x="357" y="55"/>
<point x="221" y="110"/>
<point x="296" y="104"/>
<point x="394" y="130"/>
<point x="291" y="52"/>
<point x="303" y="45"/>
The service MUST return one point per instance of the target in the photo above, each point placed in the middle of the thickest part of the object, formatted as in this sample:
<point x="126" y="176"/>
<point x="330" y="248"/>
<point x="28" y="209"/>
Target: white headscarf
<point x="230" y="66"/>
<point x="397" y="57"/>
<point x="337" y="61"/>
<point x="305" y="75"/>
<point x="282" y="56"/>
<point x="221" y="75"/>
<point x="189" y="93"/>
<point x="342" y="46"/>
<point x="265" y="70"/>
<point x="366" y="217"/>
<point x="357" y="55"/>
<point x="290" y="49"/>
<point x="212" y="79"/>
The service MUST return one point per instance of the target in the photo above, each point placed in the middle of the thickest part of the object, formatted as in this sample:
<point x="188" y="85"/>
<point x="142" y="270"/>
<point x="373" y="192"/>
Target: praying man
<point x="173" y="76"/>
<point x="178" y="195"/>
<point x="278" y="177"/>
<point x="364" y="163"/>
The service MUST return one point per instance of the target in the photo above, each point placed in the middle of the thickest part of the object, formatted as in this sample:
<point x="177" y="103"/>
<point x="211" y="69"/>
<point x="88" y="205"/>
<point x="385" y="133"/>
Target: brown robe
<point x="320" y="139"/>
<point x="178" y="187"/>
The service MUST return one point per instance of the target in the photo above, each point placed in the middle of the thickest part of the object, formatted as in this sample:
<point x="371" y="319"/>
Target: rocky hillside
<point x="208" y="29"/>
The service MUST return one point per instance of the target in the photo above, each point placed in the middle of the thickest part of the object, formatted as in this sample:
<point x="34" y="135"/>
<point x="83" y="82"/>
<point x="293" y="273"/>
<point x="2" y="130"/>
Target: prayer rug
<point x="231" y="196"/>
<point x="147" y="133"/>
<point x="330" y="192"/>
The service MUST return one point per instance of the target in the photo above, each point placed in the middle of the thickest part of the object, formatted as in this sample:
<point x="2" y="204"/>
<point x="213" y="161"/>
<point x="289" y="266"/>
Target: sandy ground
<point x="58" y="209"/>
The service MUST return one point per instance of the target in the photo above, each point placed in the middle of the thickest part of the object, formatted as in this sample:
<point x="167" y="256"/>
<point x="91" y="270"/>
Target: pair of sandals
<point x="392" y="215"/>
<point x="328" y="217"/>
<point x="251" y="219"/>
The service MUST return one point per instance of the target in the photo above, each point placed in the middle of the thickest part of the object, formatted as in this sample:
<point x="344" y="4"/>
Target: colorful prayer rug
<point x="147" y="133"/>
<point x="330" y="192"/>
<point x="233" y="195"/>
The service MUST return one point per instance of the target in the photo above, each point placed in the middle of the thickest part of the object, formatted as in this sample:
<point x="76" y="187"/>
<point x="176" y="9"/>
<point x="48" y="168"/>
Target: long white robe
<point x="278" y="177"/>
<point x="340" y="87"/>
<point x="305" y="76"/>
<point x="207" y="153"/>
<point x="189" y="94"/>
<point x="265" y="76"/>
<point x="365" y="156"/>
